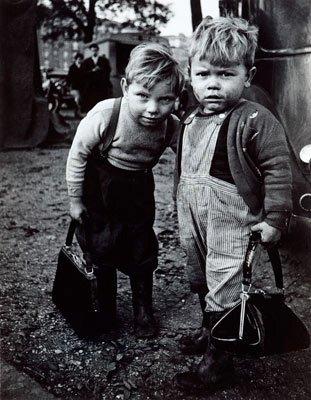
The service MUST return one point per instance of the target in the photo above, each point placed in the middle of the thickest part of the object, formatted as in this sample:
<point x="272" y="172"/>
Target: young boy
<point x="116" y="189"/>
<point x="235" y="178"/>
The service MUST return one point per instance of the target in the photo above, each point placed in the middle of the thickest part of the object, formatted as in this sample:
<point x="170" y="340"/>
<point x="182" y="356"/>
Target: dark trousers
<point x="121" y="212"/>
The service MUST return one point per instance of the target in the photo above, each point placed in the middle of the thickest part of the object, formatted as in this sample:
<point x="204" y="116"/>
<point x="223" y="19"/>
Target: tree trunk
<point x="24" y="115"/>
<point x="196" y="13"/>
<point x="229" y="7"/>
<point x="91" y="19"/>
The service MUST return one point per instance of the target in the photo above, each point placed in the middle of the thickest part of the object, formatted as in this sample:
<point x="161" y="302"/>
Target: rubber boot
<point x="197" y="342"/>
<point x="214" y="369"/>
<point x="213" y="372"/>
<point x="144" y="322"/>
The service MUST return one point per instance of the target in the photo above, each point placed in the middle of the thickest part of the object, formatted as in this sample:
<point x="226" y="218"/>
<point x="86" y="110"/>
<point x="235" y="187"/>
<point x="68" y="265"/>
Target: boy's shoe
<point x="144" y="322"/>
<point x="214" y="370"/>
<point x="195" y="343"/>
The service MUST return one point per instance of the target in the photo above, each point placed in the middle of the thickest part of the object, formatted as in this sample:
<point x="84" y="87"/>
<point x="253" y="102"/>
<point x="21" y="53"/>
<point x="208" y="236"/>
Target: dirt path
<point x="37" y="340"/>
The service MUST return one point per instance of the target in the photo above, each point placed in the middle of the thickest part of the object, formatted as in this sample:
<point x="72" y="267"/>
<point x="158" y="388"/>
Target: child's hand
<point x="77" y="208"/>
<point x="269" y="234"/>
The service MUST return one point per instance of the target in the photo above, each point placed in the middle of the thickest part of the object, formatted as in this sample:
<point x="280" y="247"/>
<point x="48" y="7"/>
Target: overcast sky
<point x="181" y="21"/>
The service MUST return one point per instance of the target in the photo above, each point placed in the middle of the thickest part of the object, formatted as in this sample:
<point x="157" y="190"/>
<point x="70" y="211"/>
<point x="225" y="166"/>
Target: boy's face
<point x="217" y="88"/>
<point x="149" y="107"/>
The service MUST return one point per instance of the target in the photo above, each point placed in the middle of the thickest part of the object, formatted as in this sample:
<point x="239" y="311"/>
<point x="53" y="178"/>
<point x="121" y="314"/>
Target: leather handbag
<point x="75" y="287"/>
<point x="261" y="323"/>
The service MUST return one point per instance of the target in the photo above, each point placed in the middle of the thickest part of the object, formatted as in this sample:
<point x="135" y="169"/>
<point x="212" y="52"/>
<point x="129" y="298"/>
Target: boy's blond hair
<point x="225" y="41"/>
<point x="151" y="63"/>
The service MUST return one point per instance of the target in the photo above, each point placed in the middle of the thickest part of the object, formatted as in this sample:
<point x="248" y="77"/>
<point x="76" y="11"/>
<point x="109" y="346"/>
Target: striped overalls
<point x="214" y="220"/>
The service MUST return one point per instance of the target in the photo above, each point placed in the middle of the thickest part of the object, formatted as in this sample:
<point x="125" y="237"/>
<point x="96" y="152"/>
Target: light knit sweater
<point x="134" y="146"/>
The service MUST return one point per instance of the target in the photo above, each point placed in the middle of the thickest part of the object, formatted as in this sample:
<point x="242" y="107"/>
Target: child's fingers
<point x="266" y="238"/>
<point x="76" y="214"/>
<point x="76" y="217"/>
<point x="269" y="234"/>
<point x="258" y="227"/>
<point x="82" y="216"/>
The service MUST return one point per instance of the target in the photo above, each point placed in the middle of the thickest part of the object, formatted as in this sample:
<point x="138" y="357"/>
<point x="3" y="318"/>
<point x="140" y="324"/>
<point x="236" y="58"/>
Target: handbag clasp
<point x="88" y="270"/>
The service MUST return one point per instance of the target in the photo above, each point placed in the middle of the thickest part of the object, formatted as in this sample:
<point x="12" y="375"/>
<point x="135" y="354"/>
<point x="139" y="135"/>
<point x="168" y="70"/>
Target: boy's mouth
<point x="213" y="98"/>
<point x="151" y="120"/>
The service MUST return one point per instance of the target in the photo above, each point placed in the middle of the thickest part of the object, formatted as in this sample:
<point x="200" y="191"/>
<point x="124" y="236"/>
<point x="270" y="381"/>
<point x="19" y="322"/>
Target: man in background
<point x="97" y="85"/>
<point x="75" y="79"/>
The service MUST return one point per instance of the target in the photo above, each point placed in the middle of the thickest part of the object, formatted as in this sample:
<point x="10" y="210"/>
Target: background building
<point x="58" y="55"/>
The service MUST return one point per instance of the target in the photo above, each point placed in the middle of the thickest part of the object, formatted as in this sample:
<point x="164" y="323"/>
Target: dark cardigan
<point x="258" y="158"/>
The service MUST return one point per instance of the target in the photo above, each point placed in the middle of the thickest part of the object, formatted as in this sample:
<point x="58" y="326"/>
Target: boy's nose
<point x="152" y="107"/>
<point x="213" y="83"/>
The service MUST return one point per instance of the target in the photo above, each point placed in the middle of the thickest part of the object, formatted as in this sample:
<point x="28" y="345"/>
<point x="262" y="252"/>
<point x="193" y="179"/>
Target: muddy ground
<point x="37" y="340"/>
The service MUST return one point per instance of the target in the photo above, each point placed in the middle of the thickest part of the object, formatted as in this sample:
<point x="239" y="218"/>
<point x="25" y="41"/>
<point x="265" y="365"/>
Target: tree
<point x="79" y="17"/>
<point x="196" y="13"/>
<point x="229" y="7"/>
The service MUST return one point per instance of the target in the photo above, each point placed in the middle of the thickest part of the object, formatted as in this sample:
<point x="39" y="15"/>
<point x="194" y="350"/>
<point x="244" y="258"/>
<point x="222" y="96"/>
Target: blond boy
<point x="235" y="178"/>
<point x="116" y="189"/>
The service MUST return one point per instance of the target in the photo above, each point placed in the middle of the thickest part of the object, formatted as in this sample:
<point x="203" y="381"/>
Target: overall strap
<point x="186" y="120"/>
<point x="109" y="133"/>
<point x="169" y="131"/>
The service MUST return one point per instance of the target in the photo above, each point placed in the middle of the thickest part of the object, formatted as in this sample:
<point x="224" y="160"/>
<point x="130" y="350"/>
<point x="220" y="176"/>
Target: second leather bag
<point x="261" y="323"/>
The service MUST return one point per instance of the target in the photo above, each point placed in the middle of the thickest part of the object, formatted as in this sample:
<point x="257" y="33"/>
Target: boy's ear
<point x="124" y="86"/>
<point x="251" y="74"/>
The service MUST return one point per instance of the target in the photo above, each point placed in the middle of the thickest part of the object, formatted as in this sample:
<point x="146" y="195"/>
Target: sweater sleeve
<point x="274" y="164"/>
<point x="88" y="135"/>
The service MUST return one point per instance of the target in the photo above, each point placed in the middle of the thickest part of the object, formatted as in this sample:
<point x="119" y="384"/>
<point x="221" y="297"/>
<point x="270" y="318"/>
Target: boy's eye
<point x="202" y="73"/>
<point x="142" y="95"/>
<point x="226" y="73"/>
<point x="167" y="100"/>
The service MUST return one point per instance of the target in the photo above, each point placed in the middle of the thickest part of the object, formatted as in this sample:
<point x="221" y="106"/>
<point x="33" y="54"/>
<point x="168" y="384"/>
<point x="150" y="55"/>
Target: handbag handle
<point x="275" y="260"/>
<point x="71" y="231"/>
<point x="274" y="257"/>
<point x="69" y="238"/>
